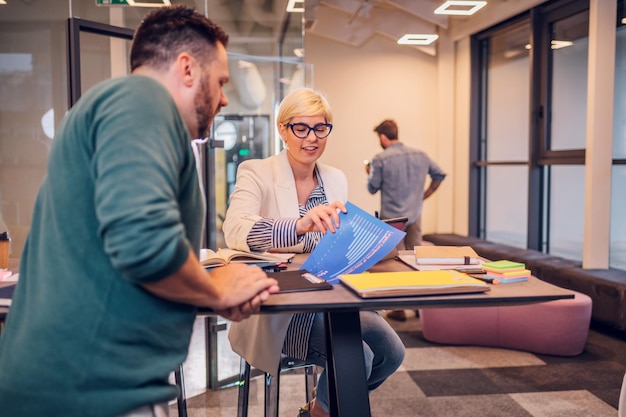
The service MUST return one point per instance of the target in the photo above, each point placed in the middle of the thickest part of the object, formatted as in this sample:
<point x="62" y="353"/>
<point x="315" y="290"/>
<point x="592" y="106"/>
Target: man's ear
<point x="186" y="68"/>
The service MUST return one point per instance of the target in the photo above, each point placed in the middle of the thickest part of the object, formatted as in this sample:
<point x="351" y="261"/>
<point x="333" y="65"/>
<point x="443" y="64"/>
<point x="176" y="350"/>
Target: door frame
<point x="76" y="25"/>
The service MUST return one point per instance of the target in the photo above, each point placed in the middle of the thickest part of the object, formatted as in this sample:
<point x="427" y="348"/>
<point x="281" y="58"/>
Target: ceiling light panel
<point x="155" y="3"/>
<point x="295" y="6"/>
<point x="417" y="39"/>
<point x="460" y="7"/>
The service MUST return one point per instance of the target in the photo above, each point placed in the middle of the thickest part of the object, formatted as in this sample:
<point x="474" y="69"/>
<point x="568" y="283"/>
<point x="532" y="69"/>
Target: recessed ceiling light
<point x="417" y="39"/>
<point x="3" y="2"/>
<point x="460" y="7"/>
<point x="554" y="44"/>
<point x="158" y="3"/>
<point x="295" y="6"/>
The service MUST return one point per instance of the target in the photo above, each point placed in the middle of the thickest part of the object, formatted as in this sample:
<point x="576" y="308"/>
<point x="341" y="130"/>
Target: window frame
<point x="540" y="156"/>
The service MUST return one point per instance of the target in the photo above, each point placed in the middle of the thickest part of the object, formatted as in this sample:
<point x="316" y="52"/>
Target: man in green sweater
<point x="109" y="279"/>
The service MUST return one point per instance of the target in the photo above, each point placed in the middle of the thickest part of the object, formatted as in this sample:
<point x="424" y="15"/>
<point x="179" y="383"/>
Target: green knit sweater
<point x="120" y="206"/>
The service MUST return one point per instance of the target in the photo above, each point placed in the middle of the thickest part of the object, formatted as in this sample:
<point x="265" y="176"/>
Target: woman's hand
<point x="321" y="218"/>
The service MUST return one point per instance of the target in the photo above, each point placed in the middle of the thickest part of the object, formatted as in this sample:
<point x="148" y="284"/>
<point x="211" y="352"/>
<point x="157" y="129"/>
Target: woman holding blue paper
<point x="285" y="203"/>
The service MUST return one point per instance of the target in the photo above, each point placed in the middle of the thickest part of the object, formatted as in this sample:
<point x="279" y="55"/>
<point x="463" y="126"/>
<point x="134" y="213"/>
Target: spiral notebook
<point x="299" y="280"/>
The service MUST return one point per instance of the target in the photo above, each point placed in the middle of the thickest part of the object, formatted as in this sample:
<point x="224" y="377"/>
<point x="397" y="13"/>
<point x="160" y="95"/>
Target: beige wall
<point x="427" y="95"/>
<point x="365" y="86"/>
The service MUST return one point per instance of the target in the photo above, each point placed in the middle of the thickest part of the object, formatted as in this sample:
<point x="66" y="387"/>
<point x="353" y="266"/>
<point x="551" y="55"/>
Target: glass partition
<point x="569" y="45"/>
<point x="566" y="213"/>
<point x="504" y="140"/>
<point x="617" y="257"/>
<point x="507" y="217"/>
<point x="266" y="60"/>
<point x="33" y="86"/>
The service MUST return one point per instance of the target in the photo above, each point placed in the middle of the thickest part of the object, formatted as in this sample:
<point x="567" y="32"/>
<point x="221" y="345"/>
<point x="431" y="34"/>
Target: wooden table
<point x="347" y="386"/>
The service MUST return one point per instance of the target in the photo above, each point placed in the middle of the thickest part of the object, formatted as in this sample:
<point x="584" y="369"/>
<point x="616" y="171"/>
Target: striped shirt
<point x="268" y="234"/>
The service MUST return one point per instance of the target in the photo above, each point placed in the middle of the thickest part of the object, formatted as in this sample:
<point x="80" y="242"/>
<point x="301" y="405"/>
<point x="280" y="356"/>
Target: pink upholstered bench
<point x="554" y="328"/>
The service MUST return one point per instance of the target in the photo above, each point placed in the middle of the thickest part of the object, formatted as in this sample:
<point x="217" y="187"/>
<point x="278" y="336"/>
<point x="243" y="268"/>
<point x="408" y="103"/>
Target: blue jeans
<point x="382" y="347"/>
<point x="413" y="236"/>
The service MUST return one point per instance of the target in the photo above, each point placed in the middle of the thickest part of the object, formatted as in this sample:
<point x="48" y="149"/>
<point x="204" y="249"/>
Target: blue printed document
<point x="360" y="241"/>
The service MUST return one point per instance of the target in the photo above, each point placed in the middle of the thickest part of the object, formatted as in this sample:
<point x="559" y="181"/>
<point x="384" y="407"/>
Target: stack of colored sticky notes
<point x="506" y="271"/>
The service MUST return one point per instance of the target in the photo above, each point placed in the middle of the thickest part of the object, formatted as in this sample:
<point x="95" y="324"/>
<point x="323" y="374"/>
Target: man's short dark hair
<point x="168" y="31"/>
<point x="388" y="128"/>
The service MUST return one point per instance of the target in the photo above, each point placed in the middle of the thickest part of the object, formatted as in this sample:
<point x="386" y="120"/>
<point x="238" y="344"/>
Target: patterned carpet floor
<point x="453" y="381"/>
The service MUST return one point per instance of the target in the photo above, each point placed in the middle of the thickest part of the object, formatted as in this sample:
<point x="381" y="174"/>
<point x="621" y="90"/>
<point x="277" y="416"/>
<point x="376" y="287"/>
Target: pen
<point x="488" y="280"/>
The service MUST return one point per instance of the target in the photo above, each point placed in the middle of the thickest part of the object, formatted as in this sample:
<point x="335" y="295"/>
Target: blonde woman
<point x="285" y="203"/>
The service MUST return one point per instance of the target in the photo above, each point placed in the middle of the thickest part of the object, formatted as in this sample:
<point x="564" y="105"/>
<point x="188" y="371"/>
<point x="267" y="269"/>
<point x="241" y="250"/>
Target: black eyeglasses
<point x="302" y="130"/>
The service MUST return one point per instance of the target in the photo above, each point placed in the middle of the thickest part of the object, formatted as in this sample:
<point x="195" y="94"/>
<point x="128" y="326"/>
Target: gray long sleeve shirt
<point x="400" y="172"/>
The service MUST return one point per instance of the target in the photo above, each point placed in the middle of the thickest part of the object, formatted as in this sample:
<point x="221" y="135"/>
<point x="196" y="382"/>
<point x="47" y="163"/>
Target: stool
<point x="557" y="327"/>
<point x="272" y="385"/>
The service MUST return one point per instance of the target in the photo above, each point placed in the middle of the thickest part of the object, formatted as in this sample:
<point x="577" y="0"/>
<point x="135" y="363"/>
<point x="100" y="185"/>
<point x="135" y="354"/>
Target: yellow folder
<point x="410" y="283"/>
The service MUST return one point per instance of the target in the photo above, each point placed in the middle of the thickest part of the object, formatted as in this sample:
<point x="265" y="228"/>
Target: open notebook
<point x="224" y="256"/>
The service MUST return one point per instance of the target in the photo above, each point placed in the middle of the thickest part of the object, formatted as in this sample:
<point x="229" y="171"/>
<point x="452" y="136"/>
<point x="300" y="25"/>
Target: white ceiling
<point x="354" y="22"/>
<point x="256" y="26"/>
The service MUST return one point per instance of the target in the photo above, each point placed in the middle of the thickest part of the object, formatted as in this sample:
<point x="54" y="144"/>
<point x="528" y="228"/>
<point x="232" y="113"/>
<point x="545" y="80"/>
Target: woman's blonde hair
<point x="304" y="102"/>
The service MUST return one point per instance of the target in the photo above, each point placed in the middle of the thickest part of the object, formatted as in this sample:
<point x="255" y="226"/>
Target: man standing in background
<point x="399" y="172"/>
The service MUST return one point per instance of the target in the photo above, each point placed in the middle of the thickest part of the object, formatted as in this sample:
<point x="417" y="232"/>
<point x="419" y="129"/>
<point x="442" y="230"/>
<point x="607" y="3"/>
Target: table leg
<point x="347" y="384"/>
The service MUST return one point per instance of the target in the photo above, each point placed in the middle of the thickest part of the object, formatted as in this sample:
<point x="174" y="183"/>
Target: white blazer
<point x="266" y="188"/>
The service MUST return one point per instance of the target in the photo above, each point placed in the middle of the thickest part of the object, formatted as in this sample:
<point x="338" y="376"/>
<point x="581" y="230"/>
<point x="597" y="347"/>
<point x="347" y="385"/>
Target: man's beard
<point x="204" y="113"/>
